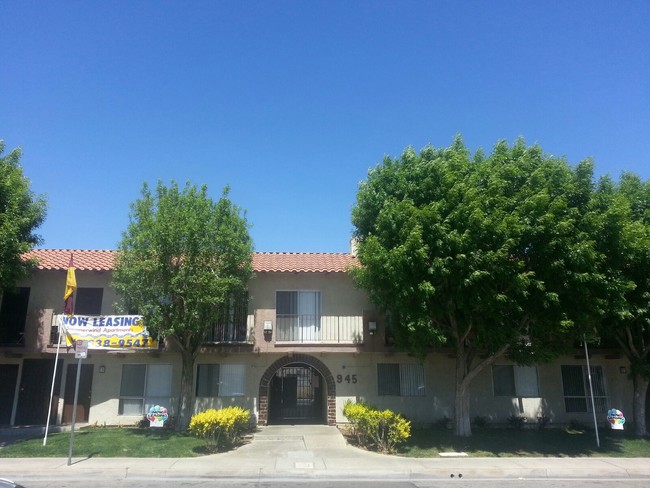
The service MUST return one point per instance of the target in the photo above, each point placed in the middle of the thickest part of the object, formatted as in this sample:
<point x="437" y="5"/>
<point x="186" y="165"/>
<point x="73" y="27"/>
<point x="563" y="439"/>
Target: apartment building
<point x="301" y="342"/>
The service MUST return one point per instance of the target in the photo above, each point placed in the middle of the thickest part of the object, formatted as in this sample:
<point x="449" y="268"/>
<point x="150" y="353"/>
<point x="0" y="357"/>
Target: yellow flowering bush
<point x="382" y="429"/>
<point x="220" y="428"/>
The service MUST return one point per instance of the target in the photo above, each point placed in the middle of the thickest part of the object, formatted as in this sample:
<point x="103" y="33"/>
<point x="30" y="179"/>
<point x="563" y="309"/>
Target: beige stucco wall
<point x="339" y="297"/>
<point x="46" y="298"/>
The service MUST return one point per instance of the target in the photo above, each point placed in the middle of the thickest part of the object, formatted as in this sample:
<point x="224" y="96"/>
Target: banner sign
<point x="106" y="331"/>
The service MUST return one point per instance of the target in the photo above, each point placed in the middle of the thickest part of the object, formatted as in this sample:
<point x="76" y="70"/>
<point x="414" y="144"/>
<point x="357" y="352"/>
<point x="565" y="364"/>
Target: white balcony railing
<point x="319" y="329"/>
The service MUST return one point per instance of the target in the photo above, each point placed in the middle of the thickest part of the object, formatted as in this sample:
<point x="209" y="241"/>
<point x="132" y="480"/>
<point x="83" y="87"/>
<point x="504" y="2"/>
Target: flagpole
<point x="56" y="361"/>
<point x="68" y="308"/>
<point x="591" y="390"/>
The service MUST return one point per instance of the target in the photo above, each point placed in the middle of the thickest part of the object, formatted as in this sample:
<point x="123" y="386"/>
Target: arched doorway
<point x="297" y="389"/>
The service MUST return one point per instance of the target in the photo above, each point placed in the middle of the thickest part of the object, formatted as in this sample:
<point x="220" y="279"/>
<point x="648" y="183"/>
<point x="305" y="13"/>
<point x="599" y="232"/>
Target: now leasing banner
<point x="107" y="331"/>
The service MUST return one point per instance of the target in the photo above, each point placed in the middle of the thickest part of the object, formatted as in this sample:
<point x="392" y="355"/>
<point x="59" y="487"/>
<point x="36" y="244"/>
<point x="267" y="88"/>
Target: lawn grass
<point x="525" y="442"/>
<point x="133" y="442"/>
<point x="110" y="442"/>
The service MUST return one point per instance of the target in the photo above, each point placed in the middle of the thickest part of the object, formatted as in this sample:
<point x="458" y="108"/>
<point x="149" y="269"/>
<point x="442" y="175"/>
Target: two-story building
<point x="301" y="342"/>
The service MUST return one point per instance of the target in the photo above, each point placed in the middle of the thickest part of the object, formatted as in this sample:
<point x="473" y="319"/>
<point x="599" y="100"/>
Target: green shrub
<point x="381" y="429"/>
<point x="480" y="421"/>
<point x="220" y="428"/>
<point x="516" y="421"/>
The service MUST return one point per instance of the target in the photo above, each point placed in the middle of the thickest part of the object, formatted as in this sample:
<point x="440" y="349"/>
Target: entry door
<point x="8" y="377"/>
<point x="296" y="396"/>
<point x="83" y="397"/>
<point x="34" y="395"/>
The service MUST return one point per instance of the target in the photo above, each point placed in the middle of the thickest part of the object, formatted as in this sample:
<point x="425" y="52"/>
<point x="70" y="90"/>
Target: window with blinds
<point x="575" y="384"/>
<point x="223" y="380"/>
<point x="400" y="379"/>
<point x="143" y="386"/>
<point x="515" y="381"/>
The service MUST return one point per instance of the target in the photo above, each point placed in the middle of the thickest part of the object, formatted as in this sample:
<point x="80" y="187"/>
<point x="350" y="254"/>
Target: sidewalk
<point x="305" y="452"/>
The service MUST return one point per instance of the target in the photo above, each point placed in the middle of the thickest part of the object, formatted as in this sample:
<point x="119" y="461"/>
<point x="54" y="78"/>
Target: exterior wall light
<point x="268" y="326"/>
<point x="372" y="328"/>
<point x="102" y="369"/>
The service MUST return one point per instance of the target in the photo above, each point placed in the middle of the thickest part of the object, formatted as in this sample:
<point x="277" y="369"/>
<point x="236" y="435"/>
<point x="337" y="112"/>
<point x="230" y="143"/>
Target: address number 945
<point x="348" y="378"/>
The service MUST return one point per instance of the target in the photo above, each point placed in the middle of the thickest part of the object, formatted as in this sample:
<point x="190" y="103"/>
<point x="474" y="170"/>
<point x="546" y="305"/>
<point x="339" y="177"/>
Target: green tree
<point x="623" y="237"/>
<point x="21" y="213"/>
<point x="487" y="256"/>
<point x="182" y="256"/>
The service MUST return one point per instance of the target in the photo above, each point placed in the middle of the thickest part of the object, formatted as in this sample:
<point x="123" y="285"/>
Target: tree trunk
<point x="640" y="392"/>
<point x="462" y="423"/>
<point x="463" y="426"/>
<point x="465" y="374"/>
<point x="185" y="401"/>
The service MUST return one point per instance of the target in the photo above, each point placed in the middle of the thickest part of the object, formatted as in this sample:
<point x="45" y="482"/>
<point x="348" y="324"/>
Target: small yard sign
<point x="616" y="419"/>
<point x="157" y="416"/>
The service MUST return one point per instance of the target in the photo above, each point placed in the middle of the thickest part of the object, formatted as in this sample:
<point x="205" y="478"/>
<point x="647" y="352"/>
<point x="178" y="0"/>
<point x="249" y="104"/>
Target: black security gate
<point x="296" y="396"/>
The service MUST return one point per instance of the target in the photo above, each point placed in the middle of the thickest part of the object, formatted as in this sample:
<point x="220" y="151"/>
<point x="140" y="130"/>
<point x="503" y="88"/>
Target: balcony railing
<point x="231" y="333"/>
<point x="319" y="329"/>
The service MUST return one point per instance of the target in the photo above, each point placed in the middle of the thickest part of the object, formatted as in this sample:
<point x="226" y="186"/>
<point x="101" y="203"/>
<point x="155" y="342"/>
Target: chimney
<point x="354" y="244"/>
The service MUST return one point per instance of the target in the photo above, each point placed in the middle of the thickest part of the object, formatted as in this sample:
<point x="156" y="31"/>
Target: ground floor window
<point x="515" y="381"/>
<point x="577" y="397"/>
<point x="213" y="380"/>
<point x="400" y="379"/>
<point x="143" y="386"/>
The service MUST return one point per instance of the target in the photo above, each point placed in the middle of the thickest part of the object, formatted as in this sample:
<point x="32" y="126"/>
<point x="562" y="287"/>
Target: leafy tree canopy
<point x="481" y="254"/>
<point x="623" y="239"/>
<point x="21" y="213"/>
<point x="182" y="256"/>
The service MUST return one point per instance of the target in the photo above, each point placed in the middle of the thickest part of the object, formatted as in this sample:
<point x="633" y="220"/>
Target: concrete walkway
<point x="320" y="452"/>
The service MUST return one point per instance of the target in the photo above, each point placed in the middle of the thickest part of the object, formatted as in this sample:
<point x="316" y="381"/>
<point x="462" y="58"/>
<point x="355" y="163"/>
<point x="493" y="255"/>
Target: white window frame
<point x="307" y="326"/>
<point x="411" y="379"/>
<point x="153" y="392"/>
<point x="231" y="381"/>
<point x="600" y="400"/>
<point x="525" y="381"/>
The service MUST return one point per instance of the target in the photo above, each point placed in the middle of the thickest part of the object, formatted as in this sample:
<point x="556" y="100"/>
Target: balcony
<point x="315" y="329"/>
<point x="231" y="333"/>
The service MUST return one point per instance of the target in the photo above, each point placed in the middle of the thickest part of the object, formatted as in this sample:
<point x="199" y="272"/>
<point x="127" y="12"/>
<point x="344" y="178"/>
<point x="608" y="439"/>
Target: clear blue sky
<point x="291" y="102"/>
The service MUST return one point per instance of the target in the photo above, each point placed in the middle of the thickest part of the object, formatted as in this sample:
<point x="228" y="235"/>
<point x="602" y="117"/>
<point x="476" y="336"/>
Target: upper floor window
<point x="13" y="315"/>
<point x="88" y="301"/>
<point x="231" y="320"/>
<point x="515" y="381"/>
<point x="577" y="395"/>
<point x="298" y="316"/>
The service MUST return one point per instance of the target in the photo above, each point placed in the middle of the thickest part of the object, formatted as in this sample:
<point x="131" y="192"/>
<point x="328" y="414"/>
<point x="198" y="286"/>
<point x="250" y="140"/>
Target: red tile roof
<point x="57" y="259"/>
<point x="88" y="260"/>
<point x="302" y="262"/>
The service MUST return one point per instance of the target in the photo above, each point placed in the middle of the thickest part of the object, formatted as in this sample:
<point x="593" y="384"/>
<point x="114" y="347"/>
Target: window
<point x="88" y="301"/>
<point x="298" y="315"/>
<point x="230" y="325"/>
<point x="13" y="315"/>
<point x="400" y="380"/>
<point x="577" y="396"/>
<point x="143" y="386"/>
<point x="515" y="381"/>
<point x="223" y="380"/>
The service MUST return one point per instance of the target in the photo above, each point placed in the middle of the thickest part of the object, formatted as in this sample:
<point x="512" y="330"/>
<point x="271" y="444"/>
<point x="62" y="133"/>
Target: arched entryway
<point x="297" y="389"/>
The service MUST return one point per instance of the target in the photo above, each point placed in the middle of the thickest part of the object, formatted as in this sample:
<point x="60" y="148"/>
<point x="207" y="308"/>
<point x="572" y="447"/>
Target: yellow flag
<point x="70" y="287"/>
